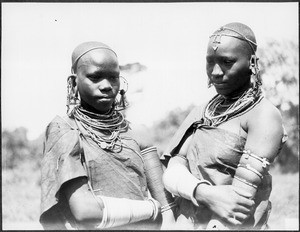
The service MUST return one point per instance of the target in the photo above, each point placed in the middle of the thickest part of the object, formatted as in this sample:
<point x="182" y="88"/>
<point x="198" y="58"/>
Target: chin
<point x="103" y="110"/>
<point x="222" y="92"/>
<point x="99" y="109"/>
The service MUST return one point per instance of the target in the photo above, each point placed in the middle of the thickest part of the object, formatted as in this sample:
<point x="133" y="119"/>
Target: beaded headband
<point x="218" y="35"/>
<point x="94" y="48"/>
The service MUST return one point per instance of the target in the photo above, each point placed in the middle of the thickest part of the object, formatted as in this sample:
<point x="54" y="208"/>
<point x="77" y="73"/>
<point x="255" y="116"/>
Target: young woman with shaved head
<point x="95" y="173"/>
<point x="219" y="158"/>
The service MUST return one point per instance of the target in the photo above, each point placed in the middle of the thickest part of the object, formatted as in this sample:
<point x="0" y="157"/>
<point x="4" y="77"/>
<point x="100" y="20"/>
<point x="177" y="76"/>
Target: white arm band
<point x="121" y="211"/>
<point x="179" y="181"/>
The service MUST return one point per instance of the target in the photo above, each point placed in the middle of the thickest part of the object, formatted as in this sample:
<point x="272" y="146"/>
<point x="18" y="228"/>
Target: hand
<point x="230" y="203"/>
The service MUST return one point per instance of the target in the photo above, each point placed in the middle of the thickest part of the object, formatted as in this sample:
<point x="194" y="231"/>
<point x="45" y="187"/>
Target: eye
<point x="209" y="61"/>
<point x="93" y="78"/>
<point x="228" y="61"/>
<point x="114" y="77"/>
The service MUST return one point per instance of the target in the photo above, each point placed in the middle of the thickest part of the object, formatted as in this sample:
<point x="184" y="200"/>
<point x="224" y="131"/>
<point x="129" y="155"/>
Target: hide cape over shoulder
<point x="194" y="116"/>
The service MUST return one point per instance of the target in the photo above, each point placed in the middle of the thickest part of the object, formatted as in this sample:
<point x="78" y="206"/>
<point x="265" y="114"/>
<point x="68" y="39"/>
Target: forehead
<point x="99" y="59"/>
<point x="227" y="45"/>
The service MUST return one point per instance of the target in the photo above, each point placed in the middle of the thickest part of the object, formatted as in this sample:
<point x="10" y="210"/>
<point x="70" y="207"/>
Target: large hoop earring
<point x="122" y="103"/>
<point x="72" y="94"/>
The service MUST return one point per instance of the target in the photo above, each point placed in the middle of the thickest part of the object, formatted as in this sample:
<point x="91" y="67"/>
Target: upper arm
<point x="82" y="203"/>
<point x="61" y="163"/>
<point x="265" y="132"/>
<point x="140" y="133"/>
<point x="180" y="157"/>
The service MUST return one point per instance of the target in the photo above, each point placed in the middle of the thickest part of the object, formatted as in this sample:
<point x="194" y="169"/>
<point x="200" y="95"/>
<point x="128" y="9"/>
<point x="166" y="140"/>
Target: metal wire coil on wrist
<point x="154" y="172"/>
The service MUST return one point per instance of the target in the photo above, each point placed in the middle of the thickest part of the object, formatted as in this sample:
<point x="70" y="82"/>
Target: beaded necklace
<point x="104" y="129"/>
<point x="244" y="103"/>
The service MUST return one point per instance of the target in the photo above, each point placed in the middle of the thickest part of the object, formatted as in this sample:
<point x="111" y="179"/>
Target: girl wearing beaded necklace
<point x="95" y="173"/>
<point x="223" y="149"/>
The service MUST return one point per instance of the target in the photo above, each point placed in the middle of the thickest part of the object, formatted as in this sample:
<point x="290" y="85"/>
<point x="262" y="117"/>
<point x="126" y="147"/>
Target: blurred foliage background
<point x="279" y="64"/>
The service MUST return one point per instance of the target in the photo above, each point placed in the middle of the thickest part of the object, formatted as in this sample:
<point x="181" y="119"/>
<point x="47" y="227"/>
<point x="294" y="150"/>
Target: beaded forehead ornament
<point x="219" y="33"/>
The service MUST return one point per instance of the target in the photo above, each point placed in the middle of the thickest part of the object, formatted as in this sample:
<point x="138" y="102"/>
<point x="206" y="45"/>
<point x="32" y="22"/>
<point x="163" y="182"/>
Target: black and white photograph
<point x="150" y="115"/>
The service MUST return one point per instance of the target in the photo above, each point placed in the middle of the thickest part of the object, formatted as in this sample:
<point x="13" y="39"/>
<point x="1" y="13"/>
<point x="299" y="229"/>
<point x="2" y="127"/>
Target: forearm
<point x="154" y="172"/>
<point x="179" y="181"/>
<point x="94" y="211"/>
<point x="121" y="211"/>
<point x="106" y="212"/>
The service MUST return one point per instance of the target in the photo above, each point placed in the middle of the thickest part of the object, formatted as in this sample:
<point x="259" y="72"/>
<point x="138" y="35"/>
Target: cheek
<point x="85" y="90"/>
<point x="208" y="70"/>
<point x="239" y="70"/>
<point x="116" y="86"/>
<point x="114" y="90"/>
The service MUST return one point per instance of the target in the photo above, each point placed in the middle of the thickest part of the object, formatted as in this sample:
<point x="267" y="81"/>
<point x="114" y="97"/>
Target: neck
<point x="236" y="94"/>
<point x="91" y="109"/>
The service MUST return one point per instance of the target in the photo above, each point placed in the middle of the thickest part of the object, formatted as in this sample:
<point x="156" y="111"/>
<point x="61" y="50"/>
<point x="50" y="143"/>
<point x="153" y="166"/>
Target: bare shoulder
<point x="265" y="130"/>
<point x="141" y="134"/>
<point x="265" y="114"/>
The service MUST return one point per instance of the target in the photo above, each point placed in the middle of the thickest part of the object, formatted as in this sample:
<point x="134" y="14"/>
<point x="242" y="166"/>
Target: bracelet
<point x="248" y="166"/>
<point x="193" y="199"/>
<point x="168" y="206"/>
<point x="245" y="182"/>
<point x="149" y="149"/>
<point x="122" y="211"/>
<point x="264" y="161"/>
<point x="155" y="209"/>
<point x="179" y="181"/>
<point x="104" y="216"/>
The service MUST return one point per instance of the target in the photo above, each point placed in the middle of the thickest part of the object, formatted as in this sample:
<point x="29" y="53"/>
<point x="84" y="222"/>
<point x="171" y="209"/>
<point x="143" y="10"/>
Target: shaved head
<point x="239" y="31"/>
<point x="84" y="48"/>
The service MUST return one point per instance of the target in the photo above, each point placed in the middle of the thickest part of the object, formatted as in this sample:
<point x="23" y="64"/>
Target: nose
<point x="217" y="71"/>
<point x="105" y="85"/>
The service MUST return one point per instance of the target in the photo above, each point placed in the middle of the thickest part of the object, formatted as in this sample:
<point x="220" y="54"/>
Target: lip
<point x="221" y="84"/>
<point x="104" y="98"/>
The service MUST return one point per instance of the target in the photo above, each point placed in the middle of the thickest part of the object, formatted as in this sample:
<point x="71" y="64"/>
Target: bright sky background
<point x="169" y="38"/>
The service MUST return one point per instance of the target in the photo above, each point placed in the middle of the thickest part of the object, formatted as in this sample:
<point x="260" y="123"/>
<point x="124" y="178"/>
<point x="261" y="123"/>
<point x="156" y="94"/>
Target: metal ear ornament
<point x="255" y="77"/>
<point x="254" y="65"/>
<point x="72" y="94"/>
<point x="122" y="103"/>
